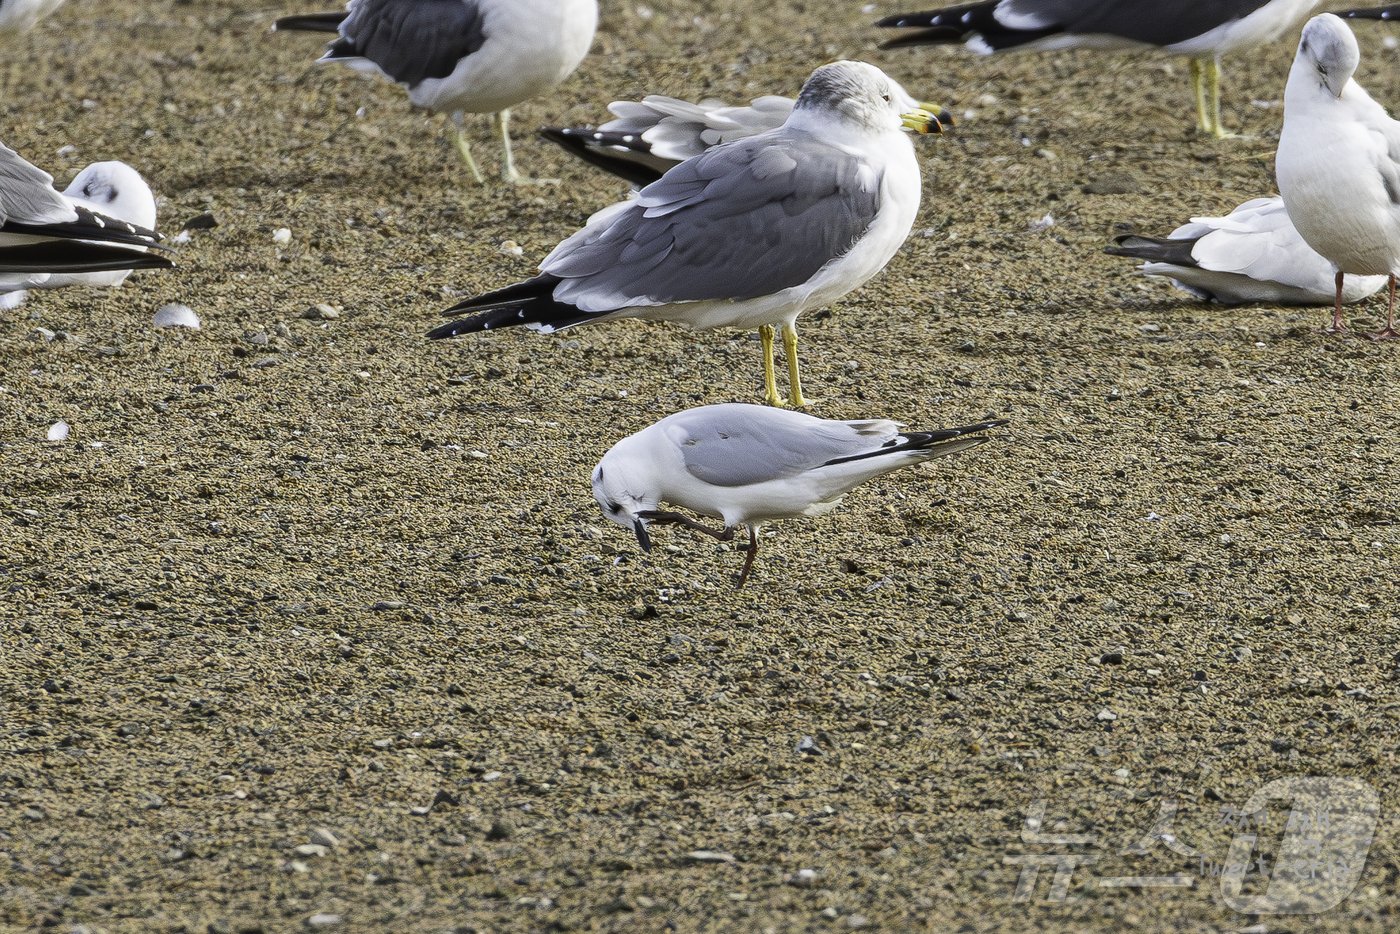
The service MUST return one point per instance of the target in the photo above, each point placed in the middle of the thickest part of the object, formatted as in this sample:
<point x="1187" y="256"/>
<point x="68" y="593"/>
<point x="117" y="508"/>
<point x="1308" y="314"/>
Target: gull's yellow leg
<point x="770" y="379"/>
<point x="508" y="170"/>
<point x="1198" y="87"/>
<point x="464" y="148"/>
<point x="1213" y="74"/>
<point x="794" y="380"/>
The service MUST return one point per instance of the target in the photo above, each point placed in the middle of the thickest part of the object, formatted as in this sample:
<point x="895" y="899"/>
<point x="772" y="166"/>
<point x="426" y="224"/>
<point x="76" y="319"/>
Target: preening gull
<point x="1338" y="163"/>
<point x="750" y="464"/>
<point x="651" y="136"/>
<point x="748" y="234"/>
<point x="1204" y="30"/>
<point x="113" y="189"/>
<point x="462" y="56"/>
<point x="44" y="232"/>
<point x="1252" y="254"/>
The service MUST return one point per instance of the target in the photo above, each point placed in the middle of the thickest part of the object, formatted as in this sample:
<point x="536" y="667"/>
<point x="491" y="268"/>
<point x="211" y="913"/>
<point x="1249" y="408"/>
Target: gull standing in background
<point x="1204" y="30"/>
<point x="749" y="234"/>
<point x="749" y="464"/>
<point x="43" y="231"/>
<point x="653" y="135"/>
<point x="462" y="56"/>
<point x="1338" y="163"/>
<point x="1253" y="254"/>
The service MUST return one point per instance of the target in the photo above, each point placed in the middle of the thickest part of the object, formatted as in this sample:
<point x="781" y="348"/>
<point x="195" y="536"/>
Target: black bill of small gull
<point x="747" y="234"/>
<point x="748" y="465"/>
<point x="462" y="56"/>
<point x="1253" y="254"/>
<point x="1338" y="163"/>
<point x="44" y="231"/>
<point x="649" y="137"/>
<point x="111" y="189"/>
<point x="1203" y="30"/>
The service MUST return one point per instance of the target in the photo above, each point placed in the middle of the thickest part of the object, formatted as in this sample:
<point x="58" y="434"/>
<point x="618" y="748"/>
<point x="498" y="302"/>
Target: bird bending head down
<point x="750" y="464"/>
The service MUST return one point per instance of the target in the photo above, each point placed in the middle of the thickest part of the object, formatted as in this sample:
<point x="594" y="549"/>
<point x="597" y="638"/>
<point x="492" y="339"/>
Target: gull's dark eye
<point x="885" y="98"/>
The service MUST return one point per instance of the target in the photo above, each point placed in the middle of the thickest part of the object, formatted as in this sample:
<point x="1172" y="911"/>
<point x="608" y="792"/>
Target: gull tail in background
<point x="1154" y="249"/>
<point x="1386" y="13"/>
<point x="530" y="303"/>
<point x="311" y="22"/>
<point x="956" y="24"/>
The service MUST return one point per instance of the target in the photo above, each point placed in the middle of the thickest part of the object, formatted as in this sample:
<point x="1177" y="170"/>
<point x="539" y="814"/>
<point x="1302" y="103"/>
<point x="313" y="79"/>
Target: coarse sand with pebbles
<point x="314" y="623"/>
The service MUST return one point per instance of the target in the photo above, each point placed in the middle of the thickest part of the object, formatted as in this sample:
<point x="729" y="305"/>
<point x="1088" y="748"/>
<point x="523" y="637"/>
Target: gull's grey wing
<point x="739" y="221"/>
<point x="27" y="195"/>
<point x="737" y="445"/>
<point x="411" y="40"/>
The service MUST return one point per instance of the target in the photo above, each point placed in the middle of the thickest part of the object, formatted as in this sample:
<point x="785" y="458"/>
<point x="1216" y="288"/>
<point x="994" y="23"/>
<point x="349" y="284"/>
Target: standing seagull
<point x="1338" y="163"/>
<point x="462" y="56"/>
<point x="748" y="465"/>
<point x="1204" y="30"/>
<point x="749" y="234"/>
<point x="43" y="231"/>
<point x="651" y="136"/>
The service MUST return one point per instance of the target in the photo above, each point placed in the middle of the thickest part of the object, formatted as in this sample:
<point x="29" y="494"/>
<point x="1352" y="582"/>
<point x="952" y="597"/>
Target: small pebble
<point x="709" y="856"/>
<point x="58" y="431"/>
<point x="1106" y="715"/>
<point x="324" y="837"/>
<point x="282" y="235"/>
<point x="176" y="315"/>
<point x="323" y="920"/>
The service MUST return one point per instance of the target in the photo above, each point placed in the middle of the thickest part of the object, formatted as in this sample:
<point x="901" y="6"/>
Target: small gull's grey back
<point x="738" y="445"/>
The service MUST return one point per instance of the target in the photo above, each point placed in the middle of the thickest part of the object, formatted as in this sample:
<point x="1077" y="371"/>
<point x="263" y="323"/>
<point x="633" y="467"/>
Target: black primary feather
<point x="525" y="303"/>
<point x="74" y="256"/>
<point x="924" y="440"/>
<point x="1154" y="249"/>
<point x="311" y="22"/>
<point x="588" y="144"/>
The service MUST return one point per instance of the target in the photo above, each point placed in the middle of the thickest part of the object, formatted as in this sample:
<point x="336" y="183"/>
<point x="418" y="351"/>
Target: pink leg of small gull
<point x="1388" y="333"/>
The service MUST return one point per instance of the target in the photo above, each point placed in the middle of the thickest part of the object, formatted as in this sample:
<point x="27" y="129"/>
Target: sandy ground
<point x="314" y="623"/>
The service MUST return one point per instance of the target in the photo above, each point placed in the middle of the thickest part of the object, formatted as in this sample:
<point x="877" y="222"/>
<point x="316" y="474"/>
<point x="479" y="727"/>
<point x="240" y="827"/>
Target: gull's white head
<point x="1327" y="54"/>
<point x="857" y="93"/>
<point x="117" y="190"/>
<point x="624" y="491"/>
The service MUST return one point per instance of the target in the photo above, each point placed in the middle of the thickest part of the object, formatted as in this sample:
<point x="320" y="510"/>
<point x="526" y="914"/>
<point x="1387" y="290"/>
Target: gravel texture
<point x="310" y="623"/>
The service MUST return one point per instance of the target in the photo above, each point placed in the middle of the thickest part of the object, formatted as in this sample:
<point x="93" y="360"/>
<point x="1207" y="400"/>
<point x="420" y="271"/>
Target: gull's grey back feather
<point x="27" y="195"/>
<point x="739" y="221"/>
<point x="732" y="446"/>
<point x="411" y="40"/>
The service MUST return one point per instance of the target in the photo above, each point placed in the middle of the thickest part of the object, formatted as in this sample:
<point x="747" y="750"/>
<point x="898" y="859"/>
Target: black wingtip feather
<point x="1154" y="249"/>
<point x="583" y="142"/>
<point x="76" y="256"/>
<point x="311" y="22"/>
<point x="923" y="440"/>
<point x="1385" y="13"/>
